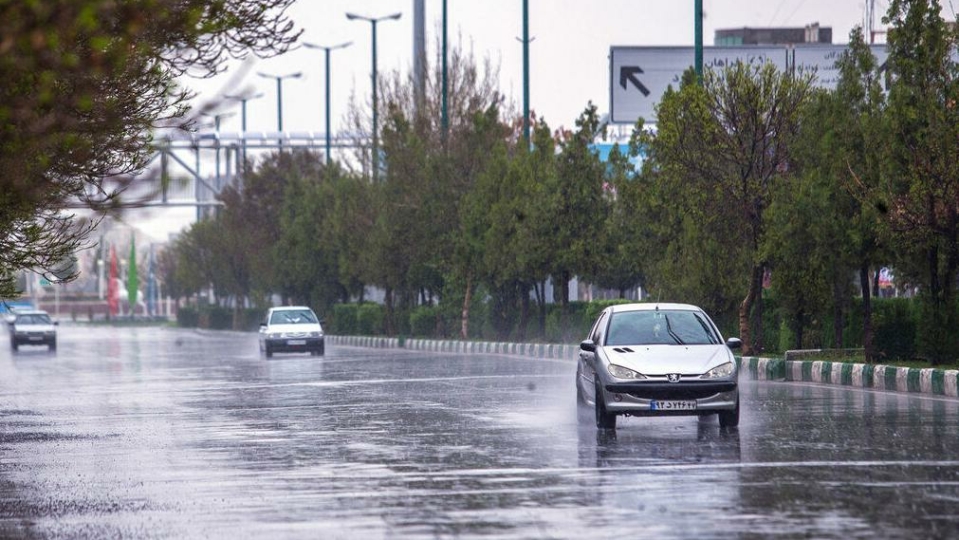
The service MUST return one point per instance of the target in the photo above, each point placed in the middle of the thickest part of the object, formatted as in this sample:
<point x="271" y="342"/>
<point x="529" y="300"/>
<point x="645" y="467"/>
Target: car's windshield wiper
<point x="669" y="329"/>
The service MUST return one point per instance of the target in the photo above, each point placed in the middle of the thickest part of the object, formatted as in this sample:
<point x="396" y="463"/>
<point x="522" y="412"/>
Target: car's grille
<point x="687" y="390"/>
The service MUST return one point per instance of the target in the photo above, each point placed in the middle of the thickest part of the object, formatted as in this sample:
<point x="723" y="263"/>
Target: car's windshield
<point x="293" y="316"/>
<point x="660" y="327"/>
<point x="33" y="318"/>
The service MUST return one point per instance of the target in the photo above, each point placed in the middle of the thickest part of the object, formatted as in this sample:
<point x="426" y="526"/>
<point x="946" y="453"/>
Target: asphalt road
<point x="162" y="433"/>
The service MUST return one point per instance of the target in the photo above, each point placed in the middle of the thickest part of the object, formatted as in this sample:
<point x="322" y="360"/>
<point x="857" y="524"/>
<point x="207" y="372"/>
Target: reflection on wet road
<point x="161" y="433"/>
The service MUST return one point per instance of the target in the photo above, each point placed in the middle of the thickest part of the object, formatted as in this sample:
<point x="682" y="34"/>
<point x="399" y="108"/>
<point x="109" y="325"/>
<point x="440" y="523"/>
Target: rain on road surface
<point x="165" y="433"/>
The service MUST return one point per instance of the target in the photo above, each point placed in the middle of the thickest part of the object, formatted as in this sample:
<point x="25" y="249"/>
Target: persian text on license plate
<point x="672" y="405"/>
<point x="296" y="342"/>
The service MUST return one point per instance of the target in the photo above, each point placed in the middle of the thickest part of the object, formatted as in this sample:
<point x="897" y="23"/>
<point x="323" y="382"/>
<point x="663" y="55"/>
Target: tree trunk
<point x="837" y="320"/>
<point x="745" y="309"/>
<point x="564" y="304"/>
<point x="800" y="325"/>
<point x="867" y="344"/>
<point x="388" y="301"/>
<point x="465" y="319"/>
<point x="523" y="310"/>
<point x="540" y="289"/>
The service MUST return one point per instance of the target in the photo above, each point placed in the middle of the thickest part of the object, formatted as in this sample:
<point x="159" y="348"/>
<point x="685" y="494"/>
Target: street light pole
<point x="326" y="51"/>
<point x="698" y="37"/>
<point x="373" y="21"/>
<point x="243" y="100"/>
<point x="279" y="97"/>
<point x="445" y="117"/>
<point x="526" y="40"/>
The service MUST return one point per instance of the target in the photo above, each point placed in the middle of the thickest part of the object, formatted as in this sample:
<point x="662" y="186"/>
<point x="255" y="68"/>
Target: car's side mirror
<point x="56" y="323"/>
<point x="734" y="343"/>
<point x="588" y="346"/>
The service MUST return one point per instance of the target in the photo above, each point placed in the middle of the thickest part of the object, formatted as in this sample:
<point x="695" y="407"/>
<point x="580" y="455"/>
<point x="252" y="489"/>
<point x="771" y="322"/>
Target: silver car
<point x="657" y="360"/>
<point x="32" y="327"/>
<point x="291" y="329"/>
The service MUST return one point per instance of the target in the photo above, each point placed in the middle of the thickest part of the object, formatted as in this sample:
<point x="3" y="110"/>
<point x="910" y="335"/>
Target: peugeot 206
<point x="646" y="359"/>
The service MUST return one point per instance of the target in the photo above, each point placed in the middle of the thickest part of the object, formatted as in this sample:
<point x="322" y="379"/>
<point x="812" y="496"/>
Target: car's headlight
<point x="314" y="334"/>
<point x="273" y="335"/>
<point x="623" y="373"/>
<point x="720" y="372"/>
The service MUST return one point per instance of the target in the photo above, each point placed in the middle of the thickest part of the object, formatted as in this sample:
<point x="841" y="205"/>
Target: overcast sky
<point x="568" y="58"/>
<point x="569" y="63"/>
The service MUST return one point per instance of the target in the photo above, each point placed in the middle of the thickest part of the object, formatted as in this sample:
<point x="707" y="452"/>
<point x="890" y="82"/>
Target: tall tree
<point x="82" y="84"/>
<point x="923" y="176"/>
<point x="727" y="143"/>
<point x="573" y="202"/>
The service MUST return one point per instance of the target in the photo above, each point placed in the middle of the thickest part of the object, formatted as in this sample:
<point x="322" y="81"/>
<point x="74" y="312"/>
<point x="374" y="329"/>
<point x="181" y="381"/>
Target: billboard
<point x="639" y="76"/>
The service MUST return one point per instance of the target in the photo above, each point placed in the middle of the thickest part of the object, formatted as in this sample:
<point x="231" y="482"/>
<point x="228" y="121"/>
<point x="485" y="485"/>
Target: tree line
<point x="755" y="184"/>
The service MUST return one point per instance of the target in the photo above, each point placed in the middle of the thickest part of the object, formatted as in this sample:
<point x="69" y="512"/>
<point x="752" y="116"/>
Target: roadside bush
<point x="369" y="319"/>
<point x="894" y="324"/>
<point x="188" y="317"/>
<point x="424" y="321"/>
<point x="344" y="320"/>
<point x="217" y="318"/>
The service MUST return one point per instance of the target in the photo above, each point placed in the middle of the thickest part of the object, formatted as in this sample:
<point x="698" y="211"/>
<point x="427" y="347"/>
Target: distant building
<point x="811" y="33"/>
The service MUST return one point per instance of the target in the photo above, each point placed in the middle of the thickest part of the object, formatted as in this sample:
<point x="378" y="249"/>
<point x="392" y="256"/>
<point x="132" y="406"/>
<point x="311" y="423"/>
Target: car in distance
<point x="291" y="329"/>
<point x="32" y="327"/>
<point x="647" y="359"/>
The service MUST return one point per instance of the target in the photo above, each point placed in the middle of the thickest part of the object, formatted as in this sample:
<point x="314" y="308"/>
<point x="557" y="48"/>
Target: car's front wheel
<point x="268" y="350"/>
<point x="604" y="418"/>
<point x="730" y="418"/>
<point x="53" y="346"/>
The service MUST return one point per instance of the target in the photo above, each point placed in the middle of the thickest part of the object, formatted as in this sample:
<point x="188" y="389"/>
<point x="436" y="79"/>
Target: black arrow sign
<point x="628" y="74"/>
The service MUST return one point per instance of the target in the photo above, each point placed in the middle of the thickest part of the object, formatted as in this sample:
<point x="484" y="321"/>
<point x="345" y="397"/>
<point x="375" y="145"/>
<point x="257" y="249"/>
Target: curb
<point x="931" y="381"/>
<point x="555" y="351"/>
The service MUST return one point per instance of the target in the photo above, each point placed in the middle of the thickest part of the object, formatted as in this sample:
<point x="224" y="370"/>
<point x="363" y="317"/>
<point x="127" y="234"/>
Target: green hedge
<point x="894" y="322"/>
<point x="218" y="318"/>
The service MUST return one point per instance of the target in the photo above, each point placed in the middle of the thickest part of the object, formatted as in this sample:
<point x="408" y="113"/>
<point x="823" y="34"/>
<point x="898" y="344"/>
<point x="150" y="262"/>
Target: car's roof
<point x="289" y="308"/>
<point x="653" y="306"/>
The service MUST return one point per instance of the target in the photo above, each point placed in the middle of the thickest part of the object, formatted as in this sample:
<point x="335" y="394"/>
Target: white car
<point x="657" y="360"/>
<point x="291" y="329"/>
<point x="32" y="327"/>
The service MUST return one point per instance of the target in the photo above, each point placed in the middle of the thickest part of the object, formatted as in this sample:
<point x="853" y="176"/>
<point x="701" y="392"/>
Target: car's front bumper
<point x="637" y="398"/>
<point x="34" y="338"/>
<point x="294" y="344"/>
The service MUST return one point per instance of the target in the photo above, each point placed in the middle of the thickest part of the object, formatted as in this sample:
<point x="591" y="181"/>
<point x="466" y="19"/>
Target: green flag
<point x="133" y="282"/>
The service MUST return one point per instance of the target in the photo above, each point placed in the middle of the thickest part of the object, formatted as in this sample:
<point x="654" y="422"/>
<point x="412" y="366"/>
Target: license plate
<point x="35" y="338"/>
<point x="296" y="342"/>
<point x="672" y="405"/>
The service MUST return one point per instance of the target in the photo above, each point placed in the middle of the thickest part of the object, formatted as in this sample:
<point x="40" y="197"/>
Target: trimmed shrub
<point x="188" y="317"/>
<point x="369" y="319"/>
<point x="424" y="321"/>
<point x="344" y="320"/>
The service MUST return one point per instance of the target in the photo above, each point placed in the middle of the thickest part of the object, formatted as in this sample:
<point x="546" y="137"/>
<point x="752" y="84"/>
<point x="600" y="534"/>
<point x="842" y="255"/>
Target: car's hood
<point x="294" y="328"/>
<point x="652" y="360"/>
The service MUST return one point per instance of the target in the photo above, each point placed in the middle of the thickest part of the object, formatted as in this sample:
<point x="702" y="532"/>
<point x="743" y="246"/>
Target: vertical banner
<point x="113" y="295"/>
<point x="133" y="282"/>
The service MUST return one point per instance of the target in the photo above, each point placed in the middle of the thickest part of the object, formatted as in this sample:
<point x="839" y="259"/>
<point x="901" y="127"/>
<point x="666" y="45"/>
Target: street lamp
<point x="279" y="96"/>
<point x="243" y="99"/>
<point x="216" y="125"/>
<point x="373" y="21"/>
<point x="327" y="50"/>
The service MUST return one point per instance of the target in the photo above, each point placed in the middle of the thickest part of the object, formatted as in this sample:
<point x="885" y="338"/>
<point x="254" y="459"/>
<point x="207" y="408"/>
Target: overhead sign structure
<point x="639" y="76"/>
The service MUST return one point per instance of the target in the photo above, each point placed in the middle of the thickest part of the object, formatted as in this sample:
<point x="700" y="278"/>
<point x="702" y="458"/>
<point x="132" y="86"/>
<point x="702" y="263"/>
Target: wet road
<point x="162" y="433"/>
